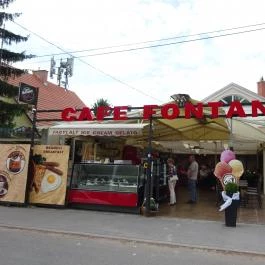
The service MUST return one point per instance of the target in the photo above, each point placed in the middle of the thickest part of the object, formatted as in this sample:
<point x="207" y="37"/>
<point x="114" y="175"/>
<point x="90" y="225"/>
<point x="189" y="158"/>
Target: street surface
<point x="19" y="247"/>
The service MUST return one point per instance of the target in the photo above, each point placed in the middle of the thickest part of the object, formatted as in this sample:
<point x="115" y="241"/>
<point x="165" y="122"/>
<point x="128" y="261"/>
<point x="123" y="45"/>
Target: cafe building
<point x="111" y="159"/>
<point x="104" y="151"/>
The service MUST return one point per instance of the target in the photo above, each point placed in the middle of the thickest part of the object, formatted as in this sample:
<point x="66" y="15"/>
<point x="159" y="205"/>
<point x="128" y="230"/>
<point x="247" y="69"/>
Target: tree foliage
<point x="100" y="103"/>
<point x="9" y="111"/>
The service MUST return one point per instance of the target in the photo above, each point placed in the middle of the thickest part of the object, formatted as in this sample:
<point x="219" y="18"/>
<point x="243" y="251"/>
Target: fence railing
<point x="21" y="132"/>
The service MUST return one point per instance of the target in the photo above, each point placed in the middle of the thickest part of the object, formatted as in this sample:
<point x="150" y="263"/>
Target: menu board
<point x="49" y="177"/>
<point x="13" y="172"/>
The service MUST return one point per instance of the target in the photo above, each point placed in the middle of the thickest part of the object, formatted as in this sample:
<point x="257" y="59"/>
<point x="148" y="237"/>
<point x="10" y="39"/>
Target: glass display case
<point x="106" y="184"/>
<point x="109" y="177"/>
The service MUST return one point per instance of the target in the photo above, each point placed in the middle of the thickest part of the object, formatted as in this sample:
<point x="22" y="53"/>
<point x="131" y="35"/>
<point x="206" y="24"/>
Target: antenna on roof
<point x="70" y="66"/>
<point x="65" y="70"/>
<point x="52" y="68"/>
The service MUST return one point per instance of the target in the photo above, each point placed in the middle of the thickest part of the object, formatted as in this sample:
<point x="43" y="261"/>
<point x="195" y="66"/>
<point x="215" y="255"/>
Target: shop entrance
<point x="209" y="199"/>
<point x="207" y="209"/>
<point x="108" y="151"/>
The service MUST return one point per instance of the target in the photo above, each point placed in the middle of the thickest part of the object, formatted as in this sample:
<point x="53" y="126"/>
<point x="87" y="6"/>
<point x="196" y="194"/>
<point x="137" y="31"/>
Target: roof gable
<point x="233" y="89"/>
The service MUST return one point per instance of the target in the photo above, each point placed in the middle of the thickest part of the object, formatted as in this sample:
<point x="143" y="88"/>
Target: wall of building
<point x="50" y="139"/>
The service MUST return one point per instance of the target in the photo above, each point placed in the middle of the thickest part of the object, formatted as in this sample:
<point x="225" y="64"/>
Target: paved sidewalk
<point x="244" y="238"/>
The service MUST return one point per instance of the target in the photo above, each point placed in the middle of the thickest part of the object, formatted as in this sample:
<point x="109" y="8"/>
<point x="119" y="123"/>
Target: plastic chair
<point x="253" y="194"/>
<point x="243" y="186"/>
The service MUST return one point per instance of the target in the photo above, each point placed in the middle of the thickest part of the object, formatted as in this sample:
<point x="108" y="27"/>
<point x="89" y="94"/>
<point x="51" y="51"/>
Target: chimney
<point x="41" y="74"/>
<point x="261" y="87"/>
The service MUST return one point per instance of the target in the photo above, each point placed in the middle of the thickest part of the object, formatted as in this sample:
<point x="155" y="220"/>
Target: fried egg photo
<point x="51" y="181"/>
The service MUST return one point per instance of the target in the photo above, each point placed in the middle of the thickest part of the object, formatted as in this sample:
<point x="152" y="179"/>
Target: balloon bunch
<point x="229" y="169"/>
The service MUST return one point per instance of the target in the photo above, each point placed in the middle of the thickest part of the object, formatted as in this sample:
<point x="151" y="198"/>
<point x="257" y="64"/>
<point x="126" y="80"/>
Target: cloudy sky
<point x="152" y="75"/>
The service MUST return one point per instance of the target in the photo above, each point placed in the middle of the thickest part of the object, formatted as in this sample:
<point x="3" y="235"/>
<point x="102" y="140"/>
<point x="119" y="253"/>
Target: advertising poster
<point x="49" y="177"/>
<point x="14" y="161"/>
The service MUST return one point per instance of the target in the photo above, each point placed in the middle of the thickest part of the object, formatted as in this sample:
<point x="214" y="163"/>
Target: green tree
<point x="100" y="103"/>
<point x="9" y="110"/>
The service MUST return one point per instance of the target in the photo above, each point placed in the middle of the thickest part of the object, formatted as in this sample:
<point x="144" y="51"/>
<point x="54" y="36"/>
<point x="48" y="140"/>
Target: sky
<point x="151" y="75"/>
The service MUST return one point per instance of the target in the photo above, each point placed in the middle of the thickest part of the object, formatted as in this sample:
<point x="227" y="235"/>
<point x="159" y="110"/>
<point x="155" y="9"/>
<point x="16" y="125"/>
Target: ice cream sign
<point x="229" y="169"/>
<point x="97" y="129"/>
<point x="95" y="132"/>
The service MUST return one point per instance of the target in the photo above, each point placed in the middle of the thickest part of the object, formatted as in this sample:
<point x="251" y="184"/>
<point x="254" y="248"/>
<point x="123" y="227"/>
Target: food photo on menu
<point x="4" y="179"/>
<point x="47" y="176"/>
<point x="13" y="172"/>
<point x="15" y="162"/>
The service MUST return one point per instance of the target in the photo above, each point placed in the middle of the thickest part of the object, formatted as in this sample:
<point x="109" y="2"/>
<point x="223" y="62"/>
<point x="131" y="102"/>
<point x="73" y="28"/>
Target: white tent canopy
<point x="210" y="147"/>
<point x="244" y="137"/>
<point x="244" y="130"/>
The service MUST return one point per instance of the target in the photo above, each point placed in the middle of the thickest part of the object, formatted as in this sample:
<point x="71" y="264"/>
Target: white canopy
<point x="244" y="129"/>
<point x="244" y="137"/>
<point x="97" y="129"/>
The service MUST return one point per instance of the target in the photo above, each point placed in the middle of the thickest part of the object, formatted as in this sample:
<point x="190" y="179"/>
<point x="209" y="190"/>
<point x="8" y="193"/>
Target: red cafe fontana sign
<point x="167" y="111"/>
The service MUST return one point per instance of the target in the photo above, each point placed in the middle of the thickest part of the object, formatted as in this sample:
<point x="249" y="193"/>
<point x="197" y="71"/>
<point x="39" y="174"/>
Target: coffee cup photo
<point x="2" y="185"/>
<point x="15" y="162"/>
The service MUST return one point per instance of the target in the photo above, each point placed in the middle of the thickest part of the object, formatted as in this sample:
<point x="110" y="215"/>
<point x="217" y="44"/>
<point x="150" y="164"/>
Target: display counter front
<point x="106" y="185"/>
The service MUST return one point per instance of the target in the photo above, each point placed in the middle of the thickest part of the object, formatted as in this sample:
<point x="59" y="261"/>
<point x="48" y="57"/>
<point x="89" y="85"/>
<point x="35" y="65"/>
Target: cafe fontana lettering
<point x="167" y="111"/>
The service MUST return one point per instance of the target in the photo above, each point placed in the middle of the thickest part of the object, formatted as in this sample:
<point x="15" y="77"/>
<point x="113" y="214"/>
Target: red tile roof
<point x="50" y="97"/>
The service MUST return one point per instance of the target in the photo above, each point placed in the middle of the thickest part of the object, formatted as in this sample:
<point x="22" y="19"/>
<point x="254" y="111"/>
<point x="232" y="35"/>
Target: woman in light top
<point x="172" y="171"/>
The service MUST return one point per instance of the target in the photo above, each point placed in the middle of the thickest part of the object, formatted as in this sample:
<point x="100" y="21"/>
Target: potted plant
<point x="231" y="188"/>
<point x="153" y="206"/>
<point x="231" y="198"/>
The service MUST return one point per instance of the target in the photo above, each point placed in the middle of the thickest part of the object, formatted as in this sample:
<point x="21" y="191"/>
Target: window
<point x="229" y="99"/>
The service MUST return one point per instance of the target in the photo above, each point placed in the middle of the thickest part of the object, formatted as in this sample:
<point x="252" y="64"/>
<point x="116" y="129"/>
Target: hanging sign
<point x="28" y="94"/>
<point x="99" y="130"/>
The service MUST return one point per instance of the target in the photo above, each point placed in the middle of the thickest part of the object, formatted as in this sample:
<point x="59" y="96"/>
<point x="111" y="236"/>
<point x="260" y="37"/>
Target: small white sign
<point x="228" y="178"/>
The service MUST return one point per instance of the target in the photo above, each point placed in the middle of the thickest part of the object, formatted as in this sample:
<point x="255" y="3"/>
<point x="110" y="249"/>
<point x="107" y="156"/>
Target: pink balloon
<point x="227" y="156"/>
<point x="221" y="169"/>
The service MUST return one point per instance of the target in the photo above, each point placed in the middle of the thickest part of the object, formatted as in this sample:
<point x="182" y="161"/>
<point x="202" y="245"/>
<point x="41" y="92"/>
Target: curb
<point x="133" y="240"/>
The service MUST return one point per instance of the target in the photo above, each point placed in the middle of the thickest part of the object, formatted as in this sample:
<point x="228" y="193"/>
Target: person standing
<point x="192" y="175"/>
<point x="172" y="180"/>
